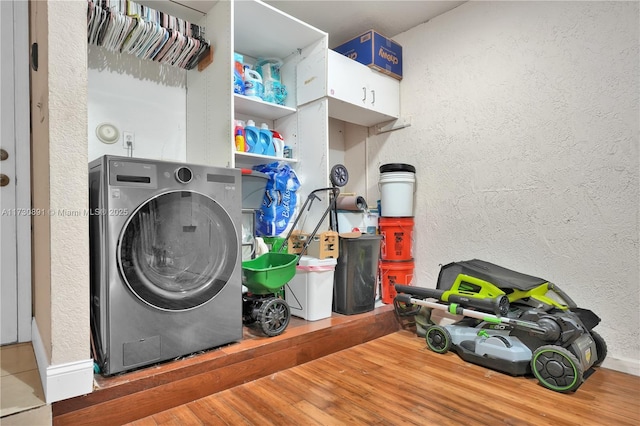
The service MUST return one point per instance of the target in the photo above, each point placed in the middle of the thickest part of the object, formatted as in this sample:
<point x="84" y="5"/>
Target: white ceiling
<point x="343" y="20"/>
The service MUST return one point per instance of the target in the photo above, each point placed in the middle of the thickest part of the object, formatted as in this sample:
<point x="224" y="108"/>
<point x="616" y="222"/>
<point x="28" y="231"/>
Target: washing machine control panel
<point x="133" y="174"/>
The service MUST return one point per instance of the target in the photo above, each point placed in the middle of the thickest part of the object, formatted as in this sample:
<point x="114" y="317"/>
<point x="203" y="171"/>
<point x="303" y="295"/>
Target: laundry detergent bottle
<point x="266" y="140"/>
<point x="253" y="86"/>
<point x="238" y="74"/>
<point x="238" y="133"/>
<point x="278" y="143"/>
<point x="252" y="138"/>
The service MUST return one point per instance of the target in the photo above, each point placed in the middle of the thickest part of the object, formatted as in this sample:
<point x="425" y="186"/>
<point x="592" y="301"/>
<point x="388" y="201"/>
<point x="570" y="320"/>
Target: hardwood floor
<point x="130" y="396"/>
<point x="395" y="379"/>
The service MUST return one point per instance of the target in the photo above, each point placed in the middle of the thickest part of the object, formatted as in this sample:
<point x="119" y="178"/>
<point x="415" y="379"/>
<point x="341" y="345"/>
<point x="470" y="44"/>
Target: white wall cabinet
<point x="356" y="93"/>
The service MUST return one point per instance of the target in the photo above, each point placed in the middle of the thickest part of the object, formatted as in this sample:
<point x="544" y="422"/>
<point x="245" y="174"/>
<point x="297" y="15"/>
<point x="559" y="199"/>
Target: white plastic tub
<point x="397" y="187"/>
<point x="310" y="293"/>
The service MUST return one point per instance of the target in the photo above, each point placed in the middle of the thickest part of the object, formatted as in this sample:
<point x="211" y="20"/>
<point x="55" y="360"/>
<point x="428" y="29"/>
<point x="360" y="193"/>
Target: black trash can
<point x="355" y="277"/>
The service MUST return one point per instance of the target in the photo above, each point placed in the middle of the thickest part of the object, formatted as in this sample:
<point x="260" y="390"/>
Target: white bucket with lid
<point x="397" y="189"/>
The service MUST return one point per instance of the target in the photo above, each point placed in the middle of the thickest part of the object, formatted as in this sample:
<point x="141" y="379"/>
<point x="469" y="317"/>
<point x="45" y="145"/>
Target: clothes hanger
<point x="128" y="27"/>
<point x="186" y="52"/>
<point x="158" y="48"/>
<point x="95" y="24"/>
<point x="167" y="46"/>
<point x="112" y="30"/>
<point x="145" y="38"/>
<point x="133" y="37"/>
<point x="157" y="41"/>
<point x="195" y="46"/>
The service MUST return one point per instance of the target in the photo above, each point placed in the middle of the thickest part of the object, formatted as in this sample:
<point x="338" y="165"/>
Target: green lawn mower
<point x="511" y="322"/>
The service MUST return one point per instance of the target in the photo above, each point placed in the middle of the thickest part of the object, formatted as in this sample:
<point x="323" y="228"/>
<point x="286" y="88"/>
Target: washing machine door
<point x="178" y="250"/>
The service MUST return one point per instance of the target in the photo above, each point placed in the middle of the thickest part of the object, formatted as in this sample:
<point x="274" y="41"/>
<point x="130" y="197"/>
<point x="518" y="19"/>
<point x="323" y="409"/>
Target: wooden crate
<point x="324" y="245"/>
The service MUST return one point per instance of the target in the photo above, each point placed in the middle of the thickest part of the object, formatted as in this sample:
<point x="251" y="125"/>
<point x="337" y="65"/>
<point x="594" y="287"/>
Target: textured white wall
<point x="68" y="176"/>
<point x="525" y="139"/>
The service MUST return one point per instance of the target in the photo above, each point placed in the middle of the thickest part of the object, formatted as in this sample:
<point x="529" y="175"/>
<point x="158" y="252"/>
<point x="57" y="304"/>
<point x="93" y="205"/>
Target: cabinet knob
<point x="4" y="180"/>
<point x="364" y="94"/>
<point x="3" y="155"/>
<point x="373" y="95"/>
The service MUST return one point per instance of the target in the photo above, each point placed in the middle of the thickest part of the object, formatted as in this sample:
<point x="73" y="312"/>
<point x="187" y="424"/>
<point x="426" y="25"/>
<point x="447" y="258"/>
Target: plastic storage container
<point x="310" y="291"/>
<point x="392" y="273"/>
<point x="254" y="184"/>
<point x="397" y="238"/>
<point x="397" y="187"/>
<point x="355" y="278"/>
<point x="269" y="272"/>
<point x="269" y="70"/>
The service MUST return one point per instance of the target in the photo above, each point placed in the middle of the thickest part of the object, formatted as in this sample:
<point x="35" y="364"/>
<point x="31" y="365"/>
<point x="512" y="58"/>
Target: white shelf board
<point x="261" y="30"/>
<point x="246" y="158"/>
<point x="259" y="108"/>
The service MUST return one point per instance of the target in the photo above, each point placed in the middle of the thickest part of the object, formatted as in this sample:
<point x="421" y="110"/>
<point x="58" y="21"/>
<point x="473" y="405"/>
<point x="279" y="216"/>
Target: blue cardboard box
<point x="376" y="51"/>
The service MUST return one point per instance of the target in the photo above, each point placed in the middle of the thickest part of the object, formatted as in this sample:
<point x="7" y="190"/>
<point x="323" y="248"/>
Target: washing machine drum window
<point x="178" y="250"/>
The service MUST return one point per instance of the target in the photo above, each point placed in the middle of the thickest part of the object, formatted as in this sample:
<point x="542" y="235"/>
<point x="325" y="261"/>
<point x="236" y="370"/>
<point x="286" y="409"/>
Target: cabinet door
<point x="347" y="80"/>
<point x="358" y="94"/>
<point x="383" y="94"/>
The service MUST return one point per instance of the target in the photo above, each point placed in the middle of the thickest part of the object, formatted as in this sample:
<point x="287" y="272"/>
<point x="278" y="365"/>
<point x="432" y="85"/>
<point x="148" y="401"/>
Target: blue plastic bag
<point x="279" y="202"/>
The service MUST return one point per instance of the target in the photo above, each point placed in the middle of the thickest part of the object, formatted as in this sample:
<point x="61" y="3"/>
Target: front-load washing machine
<point x="165" y="260"/>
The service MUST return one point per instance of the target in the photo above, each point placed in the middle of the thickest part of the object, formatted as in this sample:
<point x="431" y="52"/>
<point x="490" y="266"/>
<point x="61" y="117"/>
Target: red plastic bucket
<point x="397" y="238"/>
<point x="392" y="273"/>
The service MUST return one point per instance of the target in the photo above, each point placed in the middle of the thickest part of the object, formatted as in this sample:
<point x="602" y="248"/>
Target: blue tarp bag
<point x="279" y="202"/>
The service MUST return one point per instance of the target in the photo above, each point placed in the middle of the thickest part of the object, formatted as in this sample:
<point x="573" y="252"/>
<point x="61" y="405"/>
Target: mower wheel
<point x="438" y="339"/>
<point x="601" y="348"/>
<point x="274" y="316"/>
<point x="557" y="369"/>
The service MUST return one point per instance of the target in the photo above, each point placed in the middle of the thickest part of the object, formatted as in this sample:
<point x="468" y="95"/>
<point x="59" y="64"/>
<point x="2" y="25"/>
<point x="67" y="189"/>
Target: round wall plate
<point x="107" y="133"/>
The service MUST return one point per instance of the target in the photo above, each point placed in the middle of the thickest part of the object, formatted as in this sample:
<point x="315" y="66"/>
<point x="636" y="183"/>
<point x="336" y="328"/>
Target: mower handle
<point x="403" y="298"/>
<point x="543" y="328"/>
<point x="498" y="305"/>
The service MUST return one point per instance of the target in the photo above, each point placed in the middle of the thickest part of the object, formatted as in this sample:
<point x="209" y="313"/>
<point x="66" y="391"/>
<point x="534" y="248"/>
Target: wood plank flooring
<point x="396" y="380"/>
<point x="130" y="396"/>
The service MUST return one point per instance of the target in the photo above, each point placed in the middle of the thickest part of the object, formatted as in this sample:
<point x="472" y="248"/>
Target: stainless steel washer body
<point x="165" y="260"/>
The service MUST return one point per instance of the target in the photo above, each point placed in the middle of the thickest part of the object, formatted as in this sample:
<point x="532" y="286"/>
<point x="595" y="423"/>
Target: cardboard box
<point x="376" y="51"/>
<point x="324" y="245"/>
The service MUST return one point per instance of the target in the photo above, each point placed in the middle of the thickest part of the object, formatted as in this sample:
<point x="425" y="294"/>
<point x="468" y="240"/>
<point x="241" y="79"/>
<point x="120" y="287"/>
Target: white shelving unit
<point x="258" y="30"/>
<point x="255" y="30"/>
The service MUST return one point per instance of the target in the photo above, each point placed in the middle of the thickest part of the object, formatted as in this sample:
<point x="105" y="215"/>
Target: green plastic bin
<point x="269" y="272"/>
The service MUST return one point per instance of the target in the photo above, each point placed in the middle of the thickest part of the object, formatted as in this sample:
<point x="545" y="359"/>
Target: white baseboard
<point x="624" y="365"/>
<point x="61" y="381"/>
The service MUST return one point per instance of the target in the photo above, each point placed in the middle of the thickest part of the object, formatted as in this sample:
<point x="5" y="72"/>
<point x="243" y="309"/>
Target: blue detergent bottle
<point x="266" y="140"/>
<point x="252" y="138"/>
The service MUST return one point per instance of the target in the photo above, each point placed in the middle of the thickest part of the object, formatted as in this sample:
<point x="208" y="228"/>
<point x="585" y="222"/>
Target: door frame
<point x="23" y="166"/>
<point x="19" y="21"/>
